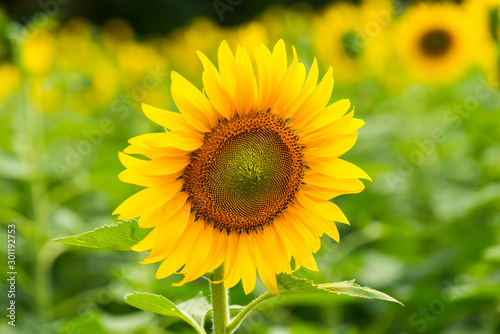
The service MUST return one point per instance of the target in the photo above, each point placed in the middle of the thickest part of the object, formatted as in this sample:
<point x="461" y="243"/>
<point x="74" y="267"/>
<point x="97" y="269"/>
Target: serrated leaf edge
<point x="187" y="318"/>
<point x="82" y="243"/>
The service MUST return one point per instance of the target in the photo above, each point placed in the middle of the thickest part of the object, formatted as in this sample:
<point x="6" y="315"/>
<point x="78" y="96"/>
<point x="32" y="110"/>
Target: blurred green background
<point x="426" y="231"/>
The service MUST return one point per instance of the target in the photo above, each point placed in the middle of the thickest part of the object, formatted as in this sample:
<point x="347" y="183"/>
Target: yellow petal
<point x="330" y="114"/>
<point x="171" y="144"/>
<point x="131" y="162"/>
<point x="193" y="105"/>
<point x="310" y="84"/>
<point x="354" y="125"/>
<point x="320" y="193"/>
<point x="246" y="262"/>
<point x="155" y="152"/>
<point x="351" y="186"/>
<point x="295" y="244"/>
<point x="308" y="87"/>
<point x="170" y="235"/>
<point x="280" y="59"/>
<point x="315" y="222"/>
<point x="217" y="94"/>
<point x="194" y="265"/>
<point x="180" y="140"/>
<point x="220" y="251"/>
<point x="216" y="252"/>
<point x="265" y="267"/>
<point x="322" y="208"/>
<point x="233" y="276"/>
<point x="341" y="169"/>
<point x="315" y="102"/>
<point x="276" y="248"/>
<point x="183" y="252"/>
<point x="164" y="213"/>
<point x="227" y="69"/>
<point x="132" y="177"/>
<point x="168" y="119"/>
<point x="208" y="66"/>
<point x="148" y="199"/>
<point x="324" y="134"/>
<point x="219" y="97"/>
<point x="146" y="243"/>
<point x="246" y="85"/>
<point x="298" y="228"/>
<point x="268" y="78"/>
<point x="289" y="86"/>
<point x="341" y="144"/>
<point x="160" y="166"/>
<point x="231" y="252"/>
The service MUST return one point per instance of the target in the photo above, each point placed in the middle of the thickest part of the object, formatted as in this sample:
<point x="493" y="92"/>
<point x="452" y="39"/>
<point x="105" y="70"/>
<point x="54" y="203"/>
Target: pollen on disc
<point x="246" y="172"/>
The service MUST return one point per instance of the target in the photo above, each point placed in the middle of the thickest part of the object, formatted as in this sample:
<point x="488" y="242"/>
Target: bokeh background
<point x="424" y="77"/>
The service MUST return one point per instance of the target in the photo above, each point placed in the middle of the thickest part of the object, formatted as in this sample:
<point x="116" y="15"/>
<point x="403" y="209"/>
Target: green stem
<point x="220" y="306"/>
<point x="246" y="311"/>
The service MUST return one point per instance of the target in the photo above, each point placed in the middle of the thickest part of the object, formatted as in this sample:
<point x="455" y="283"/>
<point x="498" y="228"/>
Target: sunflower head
<point x="436" y="41"/>
<point x="338" y="40"/>
<point x="246" y="171"/>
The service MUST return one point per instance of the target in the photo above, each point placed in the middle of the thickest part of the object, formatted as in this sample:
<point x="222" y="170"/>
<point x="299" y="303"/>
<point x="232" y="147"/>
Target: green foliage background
<point x="426" y="231"/>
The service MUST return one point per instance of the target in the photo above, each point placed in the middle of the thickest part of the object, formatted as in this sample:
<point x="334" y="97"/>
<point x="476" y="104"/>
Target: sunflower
<point x="244" y="174"/>
<point x="483" y="21"/>
<point x="435" y="42"/>
<point x="353" y="38"/>
<point x="338" y="40"/>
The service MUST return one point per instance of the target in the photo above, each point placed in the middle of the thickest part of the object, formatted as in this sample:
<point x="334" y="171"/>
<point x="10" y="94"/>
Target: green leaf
<point x="292" y="285"/>
<point x="186" y="311"/>
<point x="197" y="308"/>
<point x="122" y="236"/>
<point x="354" y="290"/>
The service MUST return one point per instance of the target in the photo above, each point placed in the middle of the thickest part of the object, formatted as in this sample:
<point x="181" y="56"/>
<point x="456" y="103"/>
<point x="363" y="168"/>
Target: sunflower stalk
<point x="234" y="324"/>
<point x="220" y="305"/>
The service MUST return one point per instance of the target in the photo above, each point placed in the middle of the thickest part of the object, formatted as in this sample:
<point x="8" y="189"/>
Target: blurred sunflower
<point x="200" y="34"/>
<point x="338" y="40"/>
<point x="353" y="38"/>
<point x="90" y="76"/>
<point x="37" y="52"/>
<point x="484" y="22"/>
<point x="435" y="42"/>
<point x="245" y="173"/>
<point x="11" y="80"/>
<point x="292" y="23"/>
<point x="248" y="36"/>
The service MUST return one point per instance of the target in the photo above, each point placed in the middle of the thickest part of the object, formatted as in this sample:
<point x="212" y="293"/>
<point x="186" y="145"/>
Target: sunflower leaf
<point x="187" y="311"/>
<point x="197" y="307"/>
<point x="292" y="285"/>
<point x="122" y="236"/>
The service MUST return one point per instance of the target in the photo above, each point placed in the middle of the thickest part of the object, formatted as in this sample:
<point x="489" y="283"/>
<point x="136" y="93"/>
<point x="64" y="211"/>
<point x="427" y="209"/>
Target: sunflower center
<point x="246" y="172"/>
<point x="436" y="43"/>
<point x="351" y="44"/>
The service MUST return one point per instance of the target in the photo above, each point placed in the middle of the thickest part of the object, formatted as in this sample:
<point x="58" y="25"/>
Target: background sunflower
<point x="437" y="41"/>
<point x="72" y="82"/>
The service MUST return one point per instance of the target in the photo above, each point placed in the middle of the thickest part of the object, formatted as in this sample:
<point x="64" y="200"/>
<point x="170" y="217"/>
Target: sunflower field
<point x="110" y="112"/>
